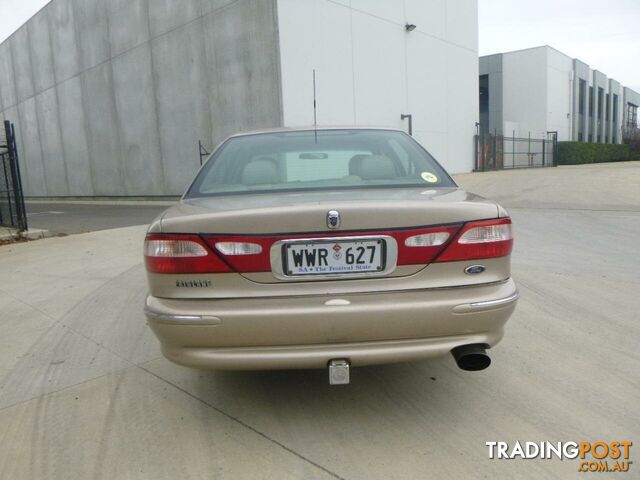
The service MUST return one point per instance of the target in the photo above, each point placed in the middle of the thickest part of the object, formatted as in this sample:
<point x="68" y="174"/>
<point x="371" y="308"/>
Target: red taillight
<point x="419" y="247"/>
<point x="184" y="253"/>
<point x="176" y="253"/>
<point x="244" y="254"/>
<point x="478" y="240"/>
<point x="247" y="254"/>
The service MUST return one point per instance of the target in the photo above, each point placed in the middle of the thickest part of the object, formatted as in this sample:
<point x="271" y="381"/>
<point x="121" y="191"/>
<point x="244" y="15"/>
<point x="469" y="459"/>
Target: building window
<point x="598" y="138"/>
<point x="606" y="139"/>
<point x="607" y="109"/>
<point x="632" y="115"/>
<point x="590" y="138"/>
<point x="579" y="136"/>
<point x="582" y="85"/>
<point x="615" y="138"/>
<point x="484" y="104"/>
<point x="600" y="98"/>
<point x="590" y="102"/>
<point x="615" y="110"/>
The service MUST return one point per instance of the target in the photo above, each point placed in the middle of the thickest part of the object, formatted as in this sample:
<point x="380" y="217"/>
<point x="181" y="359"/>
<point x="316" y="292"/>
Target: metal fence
<point x="12" y="210"/>
<point x="497" y="152"/>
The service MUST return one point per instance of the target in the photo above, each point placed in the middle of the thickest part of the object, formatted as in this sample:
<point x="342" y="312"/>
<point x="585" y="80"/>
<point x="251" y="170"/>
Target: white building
<point x="539" y="90"/>
<point x="370" y="69"/>
<point x="110" y="98"/>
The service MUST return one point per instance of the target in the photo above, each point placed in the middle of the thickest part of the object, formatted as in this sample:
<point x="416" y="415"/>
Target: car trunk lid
<point x="280" y="224"/>
<point x="292" y="213"/>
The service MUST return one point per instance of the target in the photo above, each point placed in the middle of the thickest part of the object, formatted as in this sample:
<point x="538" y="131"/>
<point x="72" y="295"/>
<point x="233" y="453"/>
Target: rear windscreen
<point x="326" y="159"/>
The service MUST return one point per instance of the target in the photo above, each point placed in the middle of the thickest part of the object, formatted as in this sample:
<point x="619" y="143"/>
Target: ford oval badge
<point x="333" y="219"/>
<point x="473" y="269"/>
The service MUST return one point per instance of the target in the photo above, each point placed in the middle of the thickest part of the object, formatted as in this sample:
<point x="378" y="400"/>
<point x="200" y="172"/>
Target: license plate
<point x="334" y="257"/>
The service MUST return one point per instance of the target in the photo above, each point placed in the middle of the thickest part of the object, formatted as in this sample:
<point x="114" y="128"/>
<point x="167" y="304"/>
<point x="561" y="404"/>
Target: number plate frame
<point x="389" y="257"/>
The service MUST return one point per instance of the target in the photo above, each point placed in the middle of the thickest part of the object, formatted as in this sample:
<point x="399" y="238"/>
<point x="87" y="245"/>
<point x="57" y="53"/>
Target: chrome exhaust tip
<point x="339" y="372"/>
<point x="471" y="357"/>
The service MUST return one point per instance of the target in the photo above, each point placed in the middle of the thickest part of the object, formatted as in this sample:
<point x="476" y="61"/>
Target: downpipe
<point x="471" y="357"/>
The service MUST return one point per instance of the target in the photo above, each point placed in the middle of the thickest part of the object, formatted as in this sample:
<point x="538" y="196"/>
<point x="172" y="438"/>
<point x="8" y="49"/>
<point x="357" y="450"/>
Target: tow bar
<point x="338" y="372"/>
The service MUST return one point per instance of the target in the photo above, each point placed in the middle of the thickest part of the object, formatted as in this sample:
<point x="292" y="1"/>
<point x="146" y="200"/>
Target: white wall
<point x="537" y="93"/>
<point x="369" y="70"/>
<point x="559" y="94"/>
<point x="525" y="93"/>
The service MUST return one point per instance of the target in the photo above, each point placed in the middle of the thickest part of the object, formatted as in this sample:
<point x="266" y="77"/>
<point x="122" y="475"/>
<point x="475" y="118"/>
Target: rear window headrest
<point x="260" y="171"/>
<point x="375" y="167"/>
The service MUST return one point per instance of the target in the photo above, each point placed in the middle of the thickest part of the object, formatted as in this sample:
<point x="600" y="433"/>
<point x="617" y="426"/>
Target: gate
<point x="496" y="152"/>
<point x="12" y="210"/>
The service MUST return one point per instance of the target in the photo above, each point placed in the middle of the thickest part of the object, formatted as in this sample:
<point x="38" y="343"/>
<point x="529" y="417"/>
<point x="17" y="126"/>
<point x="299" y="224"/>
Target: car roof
<point x="312" y="128"/>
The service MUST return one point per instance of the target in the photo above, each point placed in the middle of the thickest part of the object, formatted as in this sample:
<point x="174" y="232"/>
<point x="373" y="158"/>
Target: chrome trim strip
<point x="492" y="303"/>
<point x="182" y="319"/>
<point x="171" y="318"/>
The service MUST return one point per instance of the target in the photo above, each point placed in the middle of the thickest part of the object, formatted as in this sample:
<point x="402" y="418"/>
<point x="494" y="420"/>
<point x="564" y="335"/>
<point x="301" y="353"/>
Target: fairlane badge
<point x="193" y="283"/>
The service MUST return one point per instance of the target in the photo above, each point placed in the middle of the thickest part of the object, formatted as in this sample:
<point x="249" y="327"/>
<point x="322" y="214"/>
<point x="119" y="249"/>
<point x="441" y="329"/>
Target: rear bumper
<point x="307" y="332"/>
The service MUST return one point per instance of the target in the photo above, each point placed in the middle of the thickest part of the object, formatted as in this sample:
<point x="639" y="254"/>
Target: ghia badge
<point x="333" y="219"/>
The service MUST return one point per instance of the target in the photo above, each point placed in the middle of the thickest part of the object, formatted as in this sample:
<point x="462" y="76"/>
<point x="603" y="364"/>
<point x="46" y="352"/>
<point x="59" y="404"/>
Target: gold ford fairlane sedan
<point x="327" y="248"/>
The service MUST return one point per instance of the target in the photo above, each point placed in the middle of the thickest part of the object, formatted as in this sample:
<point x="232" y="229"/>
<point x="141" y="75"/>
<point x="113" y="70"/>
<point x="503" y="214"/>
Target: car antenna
<point x="315" y="118"/>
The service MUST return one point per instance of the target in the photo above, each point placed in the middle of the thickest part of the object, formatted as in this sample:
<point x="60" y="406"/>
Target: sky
<point x="13" y="13"/>
<point x="605" y="34"/>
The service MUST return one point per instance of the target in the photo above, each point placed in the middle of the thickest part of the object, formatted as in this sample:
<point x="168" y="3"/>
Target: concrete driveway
<point x="84" y="392"/>
<point x="69" y="217"/>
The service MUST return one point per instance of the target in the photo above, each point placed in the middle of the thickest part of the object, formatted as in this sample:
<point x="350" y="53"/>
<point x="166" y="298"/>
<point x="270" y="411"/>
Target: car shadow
<point x="391" y="390"/>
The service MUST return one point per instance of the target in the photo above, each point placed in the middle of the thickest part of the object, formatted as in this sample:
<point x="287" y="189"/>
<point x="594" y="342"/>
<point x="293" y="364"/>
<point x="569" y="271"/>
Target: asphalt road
<point x="85" y="393"/>
<point x="65" y="218"/>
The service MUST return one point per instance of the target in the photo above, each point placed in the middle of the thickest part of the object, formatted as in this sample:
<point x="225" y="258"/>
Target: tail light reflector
<point x="487" y="234"/>
<point x="427" y="239"/>
<point x="421" y="246"/>
<point x="478" y="240"/>
<point x="239" y="248"/>
<point x="174" y="248"/>
<point x="171" y="253"/>
<point x="243" y="254"/>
